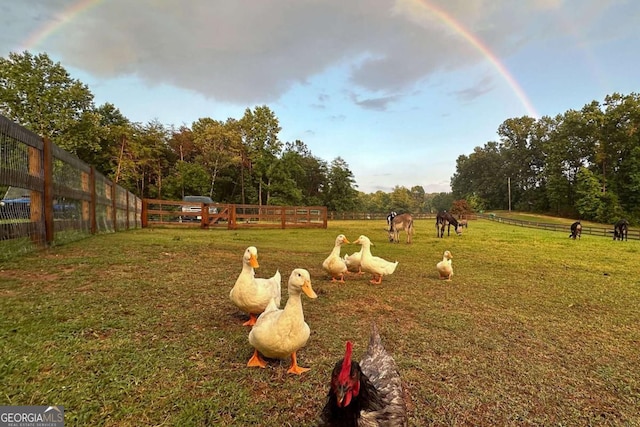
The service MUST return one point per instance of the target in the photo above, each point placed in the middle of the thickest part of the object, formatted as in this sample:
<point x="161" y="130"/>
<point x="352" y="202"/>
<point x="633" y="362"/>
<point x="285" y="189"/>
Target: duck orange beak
<point x="308" y="290"/>
<point x="253" y="262"/>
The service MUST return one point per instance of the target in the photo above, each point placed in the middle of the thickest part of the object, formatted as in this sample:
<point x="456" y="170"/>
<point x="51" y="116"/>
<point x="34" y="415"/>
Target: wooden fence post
<point x="145" y="208"/>
<point x="231" y="224"/>
<point x="204" y="215"/>
<point x="283" y="217"/>
<point x="86" y="204"/>
<point x="324" y="222"/>
<point x="47" y="159"/>
<point x="114" y="206"/>
<point x="36" y="197"/>
<point x="127" y="210"/>
<point x="93" y="200"/>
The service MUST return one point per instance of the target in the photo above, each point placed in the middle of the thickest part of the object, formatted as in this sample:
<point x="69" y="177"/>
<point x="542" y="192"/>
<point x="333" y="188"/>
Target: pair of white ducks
<point x="276" y="333"/>
<point x="362" y="261"/>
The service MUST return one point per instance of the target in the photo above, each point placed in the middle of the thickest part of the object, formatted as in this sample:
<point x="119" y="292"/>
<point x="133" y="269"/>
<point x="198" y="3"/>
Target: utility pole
<point x="509" y="184"/>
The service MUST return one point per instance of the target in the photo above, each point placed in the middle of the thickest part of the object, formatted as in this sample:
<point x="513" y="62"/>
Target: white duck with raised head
<point x="280" y="333"/>
<point x="445" y="267"/>
<point x="334" y="264"/>
<point x="252" y="294"/>
<point x="377" y="266"/>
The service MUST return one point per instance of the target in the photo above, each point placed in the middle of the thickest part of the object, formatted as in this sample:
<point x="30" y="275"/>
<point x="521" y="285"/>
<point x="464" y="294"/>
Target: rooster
<point x="365" y="394"/>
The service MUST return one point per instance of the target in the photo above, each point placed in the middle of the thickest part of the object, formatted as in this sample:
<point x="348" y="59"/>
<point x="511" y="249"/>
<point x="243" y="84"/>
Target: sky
<point x="399" y="89"/>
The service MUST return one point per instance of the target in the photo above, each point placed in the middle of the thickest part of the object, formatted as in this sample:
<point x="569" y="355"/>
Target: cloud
<point x="323" y="99"/>
<point x="379" y="104"/>
<point x="245" y="52"/>
<point x="548" y="4"/>
<point x="469" y="94"/>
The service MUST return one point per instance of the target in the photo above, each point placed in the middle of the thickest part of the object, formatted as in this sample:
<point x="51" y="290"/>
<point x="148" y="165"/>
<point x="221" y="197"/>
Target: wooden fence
<point x="383" y="216"/>
<point x="231" y="216"/>
<point x="604" y="231"/>
<point x="52" y="196"/>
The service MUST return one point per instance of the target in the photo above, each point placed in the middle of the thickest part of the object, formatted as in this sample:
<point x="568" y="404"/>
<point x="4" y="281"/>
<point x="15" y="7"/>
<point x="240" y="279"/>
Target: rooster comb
<point x="346" y="362"/>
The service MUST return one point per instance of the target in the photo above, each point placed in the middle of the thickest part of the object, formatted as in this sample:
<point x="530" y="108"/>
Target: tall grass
<point x="136" y="328"/>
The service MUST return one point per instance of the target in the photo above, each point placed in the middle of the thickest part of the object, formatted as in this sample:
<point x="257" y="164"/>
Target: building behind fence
<point x="50" y="196"/>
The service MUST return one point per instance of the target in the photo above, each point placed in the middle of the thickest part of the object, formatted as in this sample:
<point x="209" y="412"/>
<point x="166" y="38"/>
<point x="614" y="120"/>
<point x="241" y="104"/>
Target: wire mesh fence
<point x="50" y="197"/>
<point x="21" y="175"/>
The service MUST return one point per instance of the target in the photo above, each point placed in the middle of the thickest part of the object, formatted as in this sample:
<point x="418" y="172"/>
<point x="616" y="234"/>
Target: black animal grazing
<point x="621" y="229"/>
<point x="576" y="230"/>
<point x="443" y="219"/>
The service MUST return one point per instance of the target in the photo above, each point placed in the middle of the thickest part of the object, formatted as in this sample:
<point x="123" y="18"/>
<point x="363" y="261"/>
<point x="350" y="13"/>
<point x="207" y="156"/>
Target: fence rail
<point x="634" y="234"/>
<point x="231" y="216"/>
<point x="50" y="196"/>
<point x="383" y="216"/>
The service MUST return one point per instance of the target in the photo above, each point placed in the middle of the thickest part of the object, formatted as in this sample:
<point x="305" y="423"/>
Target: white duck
<point x="279" y="333"/>
<point x="353" y="262"/>
<point x="251" y="294"/>
<point x="334" y="265"/>
<point x="445" y="269"/>
<point x="377" y="266"/>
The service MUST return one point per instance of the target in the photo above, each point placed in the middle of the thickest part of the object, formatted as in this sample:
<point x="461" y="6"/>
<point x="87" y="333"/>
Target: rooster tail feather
<point x="374" y="339"/>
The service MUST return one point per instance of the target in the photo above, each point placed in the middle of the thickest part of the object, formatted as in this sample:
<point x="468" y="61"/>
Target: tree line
<point x="583" y="164"/>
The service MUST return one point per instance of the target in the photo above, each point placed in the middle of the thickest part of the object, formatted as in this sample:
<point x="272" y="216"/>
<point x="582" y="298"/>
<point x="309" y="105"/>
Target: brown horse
<point x="443" y="219"/>
<point x="399" y="223"/>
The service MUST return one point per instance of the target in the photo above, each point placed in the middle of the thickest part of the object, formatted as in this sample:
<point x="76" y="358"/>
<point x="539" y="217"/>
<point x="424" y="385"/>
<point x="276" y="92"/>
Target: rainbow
<point x="474" y="41"/>
<point x="72" y="12"/>
<point x="64" y="17"/>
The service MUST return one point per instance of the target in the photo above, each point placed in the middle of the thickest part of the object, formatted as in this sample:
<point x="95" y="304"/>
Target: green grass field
<point x="136" y="328"/>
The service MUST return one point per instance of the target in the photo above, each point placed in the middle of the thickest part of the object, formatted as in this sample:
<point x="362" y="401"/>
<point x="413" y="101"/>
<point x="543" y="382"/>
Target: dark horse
<point x="445" y="218"/>
<point x="621" y="229"/>
<point x="576" y="230"/>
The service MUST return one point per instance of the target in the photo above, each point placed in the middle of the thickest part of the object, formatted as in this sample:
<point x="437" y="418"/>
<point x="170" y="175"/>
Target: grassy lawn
<point x="526" y="216"/>
<point x="136" y="328"/>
